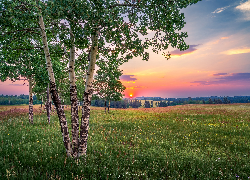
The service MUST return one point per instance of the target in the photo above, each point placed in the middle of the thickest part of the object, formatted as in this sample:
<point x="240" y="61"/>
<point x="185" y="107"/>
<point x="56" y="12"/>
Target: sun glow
<point x="131" y="95"/>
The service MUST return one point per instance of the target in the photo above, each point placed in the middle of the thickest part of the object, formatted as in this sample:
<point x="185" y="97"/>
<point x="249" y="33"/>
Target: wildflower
<point x="37" y="141"/>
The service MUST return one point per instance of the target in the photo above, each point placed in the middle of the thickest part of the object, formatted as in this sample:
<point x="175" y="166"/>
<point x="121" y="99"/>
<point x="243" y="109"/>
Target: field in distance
<point x="188" y="141"/>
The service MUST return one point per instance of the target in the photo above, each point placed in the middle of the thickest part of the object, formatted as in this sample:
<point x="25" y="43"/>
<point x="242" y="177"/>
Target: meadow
<point x="177" y="142"/>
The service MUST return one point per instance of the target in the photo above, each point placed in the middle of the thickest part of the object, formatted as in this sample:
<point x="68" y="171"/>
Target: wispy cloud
<point x="136" y="87"/>
<point x="220" y="74"/>
<point x="224" y="37"/>
<point x="237" y="51"/>
<point x="177" y="52"/>
<point x="225" y="78"/>
<point x="16" y="84"/>
<point x="127" y="78"/>
<point x="219" y="10"/>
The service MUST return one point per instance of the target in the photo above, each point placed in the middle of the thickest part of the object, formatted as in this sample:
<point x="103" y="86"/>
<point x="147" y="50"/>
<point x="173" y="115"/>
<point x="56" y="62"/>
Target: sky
<point x="217" y="62"/>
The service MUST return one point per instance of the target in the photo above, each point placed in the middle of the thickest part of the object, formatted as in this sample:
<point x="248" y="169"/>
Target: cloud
<point x="219" y="10"/>
<point x="136" y="87"/>
<point x="177" y="52"/>
<point x="225" y="78"/>
<point x="245" y="9"/>
<point x="236" y="77"/>
<point x="224" y="38"/>
<point x="236" y="51"/>
<point x="220" y="74"/>
<point x="244" y="6"/>
<point x="201" y="82"/>
<point x="16" y="84"/>
<point x="127" y="78"/>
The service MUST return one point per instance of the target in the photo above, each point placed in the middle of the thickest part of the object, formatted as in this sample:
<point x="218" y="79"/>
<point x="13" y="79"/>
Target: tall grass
<point x="184" y="142"/>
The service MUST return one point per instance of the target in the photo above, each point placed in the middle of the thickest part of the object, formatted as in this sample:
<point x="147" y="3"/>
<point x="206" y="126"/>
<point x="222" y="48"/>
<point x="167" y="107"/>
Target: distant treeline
<point x="126" y="103"/>
<point x="16" y="100"/>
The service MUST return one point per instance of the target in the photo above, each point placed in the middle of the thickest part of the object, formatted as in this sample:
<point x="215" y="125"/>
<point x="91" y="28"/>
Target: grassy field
<point x="178" y="142"/>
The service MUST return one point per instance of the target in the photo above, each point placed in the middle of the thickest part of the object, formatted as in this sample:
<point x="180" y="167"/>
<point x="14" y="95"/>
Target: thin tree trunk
<point x="48" y="105"/>
<point x="53" y="90"/>
<point x="73" y="99"/>
<point x="42" y="105"/>
<point x="108" y="106"/>
<point x="88" y="96"/>
<point x="30" y="102"/>
<point x="105" y="105"/>
<point x="50" y="102"/>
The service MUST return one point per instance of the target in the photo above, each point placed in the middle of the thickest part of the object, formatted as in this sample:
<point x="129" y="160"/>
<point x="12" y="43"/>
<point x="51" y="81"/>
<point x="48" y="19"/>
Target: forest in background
<point x="131" y="103"/>
<point x="17" y="100"/>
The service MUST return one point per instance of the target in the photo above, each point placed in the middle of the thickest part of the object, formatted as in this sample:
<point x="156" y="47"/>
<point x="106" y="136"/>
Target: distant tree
<point x="219" y="101"/>
<point x="163" y="104"/>
<point x="147" y="104"/>
<point x="210" y="101"/>
<point x="226" y="101"/>
<point x="106" y="83"/>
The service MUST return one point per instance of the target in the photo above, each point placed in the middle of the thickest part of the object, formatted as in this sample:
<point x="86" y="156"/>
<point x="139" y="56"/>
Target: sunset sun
<point x="131" y="95"/>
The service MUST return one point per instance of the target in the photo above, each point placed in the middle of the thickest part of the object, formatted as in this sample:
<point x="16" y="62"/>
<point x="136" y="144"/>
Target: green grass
<point x="184" y="142"/>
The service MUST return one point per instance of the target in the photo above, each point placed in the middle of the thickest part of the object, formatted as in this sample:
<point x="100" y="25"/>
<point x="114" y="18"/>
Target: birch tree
<point x="107" y="83"/>
<point x="106" y="27"/>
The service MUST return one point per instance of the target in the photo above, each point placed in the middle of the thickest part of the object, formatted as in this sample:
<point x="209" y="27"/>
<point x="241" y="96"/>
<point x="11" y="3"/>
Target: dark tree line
<point x="16" y="100"/>
<point x="117" y="104"/>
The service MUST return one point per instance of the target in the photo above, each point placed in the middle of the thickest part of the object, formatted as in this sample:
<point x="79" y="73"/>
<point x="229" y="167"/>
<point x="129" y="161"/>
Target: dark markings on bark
<point x="48" y="105"/>
<point x="62" y="118"/>
<point x="30" y="101"/>
<point x="85" y="122"/>
<point x="31" y="109"/>
<point x="74" y="120"/>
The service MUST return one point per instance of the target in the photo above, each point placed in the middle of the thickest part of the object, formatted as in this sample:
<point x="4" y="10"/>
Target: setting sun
<point x="131" y="95"/>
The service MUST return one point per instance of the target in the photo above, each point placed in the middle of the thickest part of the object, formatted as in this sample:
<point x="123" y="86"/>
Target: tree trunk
<point x="42" y="104"/>
<point x="88" y="96"/>
<point x="50" y="102"/>
<point x="108" y="106"/>
<point x="48" y="105"/>
<point x="53" y="90"/>
<point x="73" y="99"/>
<point x="30" y="102"/>
<point x="105" y="105"/>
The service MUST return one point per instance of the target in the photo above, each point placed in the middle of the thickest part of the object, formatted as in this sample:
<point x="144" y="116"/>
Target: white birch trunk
<point x="30" y="101"/>
<point x="88" y="96"/>
<point x="50" y="101"/>
<point x="73" y="98"/>
<point x="53" y="90"/>
<point x="48" y="105"/>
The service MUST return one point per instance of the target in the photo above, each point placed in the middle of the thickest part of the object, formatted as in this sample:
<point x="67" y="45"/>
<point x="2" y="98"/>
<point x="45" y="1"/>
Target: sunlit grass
<point x="189" y="142"/>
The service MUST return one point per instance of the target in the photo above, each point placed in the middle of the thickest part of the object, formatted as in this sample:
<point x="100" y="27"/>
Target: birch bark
<point x="30" y="101"/>
<point x="73" y="98"/>
<point x="88" y="96"/>
<point x="48" y="105"/>
<point x="53" y="90"/>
